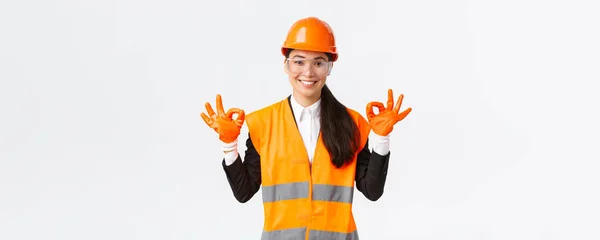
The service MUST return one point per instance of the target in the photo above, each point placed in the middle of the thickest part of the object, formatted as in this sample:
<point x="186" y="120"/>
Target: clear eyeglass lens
<point x="319" y="67"/>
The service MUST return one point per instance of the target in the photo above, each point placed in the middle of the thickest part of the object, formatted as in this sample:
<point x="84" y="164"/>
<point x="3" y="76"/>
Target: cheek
<point x="292" y="78"/>
<point x="322" y="80"/>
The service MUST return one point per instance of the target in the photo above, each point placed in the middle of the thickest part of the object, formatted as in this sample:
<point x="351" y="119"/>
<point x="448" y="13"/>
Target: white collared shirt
<point x="309" y="125"/>
<point x="308" y="120"/>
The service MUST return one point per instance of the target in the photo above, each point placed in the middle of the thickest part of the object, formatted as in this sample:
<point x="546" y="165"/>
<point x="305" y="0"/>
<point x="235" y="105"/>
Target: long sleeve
<point x="244" y="177"/>
<point x="371" y="172"/>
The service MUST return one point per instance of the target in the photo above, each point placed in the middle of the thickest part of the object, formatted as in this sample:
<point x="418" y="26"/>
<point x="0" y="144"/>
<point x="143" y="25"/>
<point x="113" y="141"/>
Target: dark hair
<point x="339" y="131"/>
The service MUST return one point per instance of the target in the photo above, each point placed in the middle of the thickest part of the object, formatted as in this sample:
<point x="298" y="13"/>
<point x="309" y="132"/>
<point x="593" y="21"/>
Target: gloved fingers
<point x="209" y="110"/>
<point x="241" y="115"/>
<point x="390" y="101"/>
<point x="370" y="113"/>
<point x="241" y="118"/>
<point x="207" y="119"/>
<point x="220" y="109"/>
<point x="399" y="103"/>
<point x="403" y="114"/>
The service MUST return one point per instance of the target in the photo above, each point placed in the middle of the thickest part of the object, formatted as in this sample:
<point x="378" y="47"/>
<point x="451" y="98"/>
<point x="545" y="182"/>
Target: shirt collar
<point x="298" y="109"/>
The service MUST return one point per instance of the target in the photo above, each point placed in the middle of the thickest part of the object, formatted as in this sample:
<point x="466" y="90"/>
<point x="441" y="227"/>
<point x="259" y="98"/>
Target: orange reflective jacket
<point x="300" y="201"/>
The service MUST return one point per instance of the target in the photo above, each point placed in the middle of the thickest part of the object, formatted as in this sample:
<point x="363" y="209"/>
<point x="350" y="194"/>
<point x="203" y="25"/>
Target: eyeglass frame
<point x="330" y="63"/>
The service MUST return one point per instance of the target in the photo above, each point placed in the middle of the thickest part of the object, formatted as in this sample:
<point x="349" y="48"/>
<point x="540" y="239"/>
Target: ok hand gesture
<point x="223" y="123"/>
<point x="383" y="123"/>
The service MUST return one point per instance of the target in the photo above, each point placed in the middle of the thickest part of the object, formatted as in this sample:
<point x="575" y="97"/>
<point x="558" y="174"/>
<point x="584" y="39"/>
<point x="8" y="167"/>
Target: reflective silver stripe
<point x="325" y="192"/>
<point x="300" y="233"/>
<point x="318" y="235"/>
<point x="292" y="233"/>
<point x="285" y="191"/>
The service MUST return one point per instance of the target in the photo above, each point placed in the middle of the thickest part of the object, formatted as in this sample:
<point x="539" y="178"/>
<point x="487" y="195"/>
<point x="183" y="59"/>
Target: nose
<point x="309" y="72"/>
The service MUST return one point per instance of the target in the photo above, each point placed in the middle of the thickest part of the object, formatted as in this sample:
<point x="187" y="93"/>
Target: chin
<point x="309" y="92"/>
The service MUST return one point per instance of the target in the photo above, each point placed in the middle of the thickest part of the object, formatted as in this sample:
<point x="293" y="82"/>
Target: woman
<point x="308" y="150"/>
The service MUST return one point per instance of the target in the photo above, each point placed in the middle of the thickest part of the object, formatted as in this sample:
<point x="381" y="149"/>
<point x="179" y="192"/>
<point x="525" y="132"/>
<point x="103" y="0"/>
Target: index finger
<point x="370" y="113"/>
<point x="241" y="116"/>
<point x="220" y="109"/>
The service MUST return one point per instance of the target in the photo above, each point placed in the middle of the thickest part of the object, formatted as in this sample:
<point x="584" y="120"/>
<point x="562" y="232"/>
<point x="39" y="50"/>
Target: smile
<point x="307" y="83"/>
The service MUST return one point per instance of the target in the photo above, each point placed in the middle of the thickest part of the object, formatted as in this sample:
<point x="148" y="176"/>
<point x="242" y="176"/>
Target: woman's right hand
<point x="223" y="123"/>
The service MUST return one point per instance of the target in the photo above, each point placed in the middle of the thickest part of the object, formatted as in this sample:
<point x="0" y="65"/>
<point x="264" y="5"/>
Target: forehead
<point x="307" y="54"/>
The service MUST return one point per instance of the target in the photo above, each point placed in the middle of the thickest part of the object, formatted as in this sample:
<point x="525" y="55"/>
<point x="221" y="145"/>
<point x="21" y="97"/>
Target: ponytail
<point x="339" y="131"/>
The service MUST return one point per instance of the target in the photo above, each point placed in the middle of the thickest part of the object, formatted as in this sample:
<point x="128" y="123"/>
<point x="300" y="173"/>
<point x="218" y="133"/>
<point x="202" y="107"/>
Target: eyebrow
<point x="300" y="56"/>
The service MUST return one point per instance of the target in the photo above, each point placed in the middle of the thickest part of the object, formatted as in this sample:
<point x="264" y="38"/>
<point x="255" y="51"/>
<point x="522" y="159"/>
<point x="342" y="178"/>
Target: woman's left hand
<point x="383" y="122"/>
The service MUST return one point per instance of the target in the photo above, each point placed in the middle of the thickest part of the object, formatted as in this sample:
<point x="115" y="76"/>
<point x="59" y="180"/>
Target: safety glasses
<point x="301" y="65"/>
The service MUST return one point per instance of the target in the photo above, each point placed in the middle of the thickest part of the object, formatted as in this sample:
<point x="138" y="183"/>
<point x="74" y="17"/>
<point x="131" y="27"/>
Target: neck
<point x="305" y="101"/>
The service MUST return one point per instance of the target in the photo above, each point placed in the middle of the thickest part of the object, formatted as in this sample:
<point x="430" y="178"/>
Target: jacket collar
<point x="298" y="109"/>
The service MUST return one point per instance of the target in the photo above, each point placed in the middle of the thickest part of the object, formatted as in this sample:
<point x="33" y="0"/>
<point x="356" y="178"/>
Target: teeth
<point x="307" y="82"/>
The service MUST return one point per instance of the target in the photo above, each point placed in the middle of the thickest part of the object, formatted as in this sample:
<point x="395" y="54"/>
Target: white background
<point x="100" y="134"/>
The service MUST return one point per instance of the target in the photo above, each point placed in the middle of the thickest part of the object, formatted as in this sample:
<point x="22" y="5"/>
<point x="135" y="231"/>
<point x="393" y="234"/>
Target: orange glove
<point x="383" y="123"/>
<point x="223" y="123"/>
